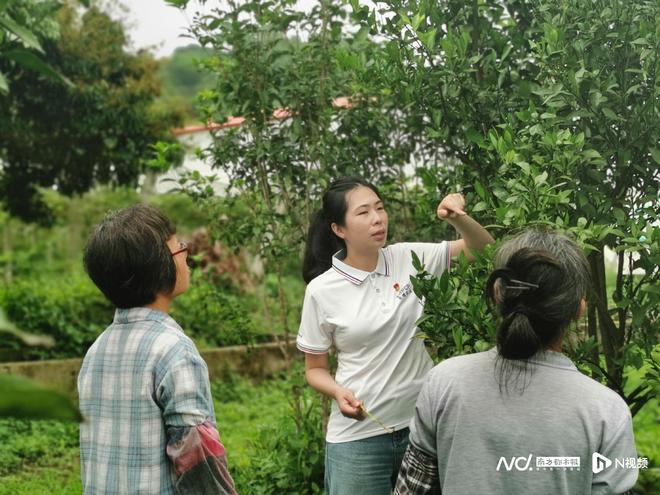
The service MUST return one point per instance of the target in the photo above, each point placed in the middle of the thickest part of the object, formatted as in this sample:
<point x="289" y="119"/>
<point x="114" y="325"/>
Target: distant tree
<point x="100" y="130"/>
<point x="183" y="75"/>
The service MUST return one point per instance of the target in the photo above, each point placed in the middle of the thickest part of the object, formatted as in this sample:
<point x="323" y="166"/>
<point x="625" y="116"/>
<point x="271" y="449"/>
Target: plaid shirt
<point x="418" y="474"/>
<point x="149" y="420"/>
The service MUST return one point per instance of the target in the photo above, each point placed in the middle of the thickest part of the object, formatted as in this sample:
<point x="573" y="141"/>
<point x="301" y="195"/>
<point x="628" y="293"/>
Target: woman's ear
<point x="582" y="308"/>
<point x="337" y="230"/>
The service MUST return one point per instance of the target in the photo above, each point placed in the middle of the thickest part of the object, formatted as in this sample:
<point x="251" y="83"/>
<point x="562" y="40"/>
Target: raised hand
<point x="451" y="206"/>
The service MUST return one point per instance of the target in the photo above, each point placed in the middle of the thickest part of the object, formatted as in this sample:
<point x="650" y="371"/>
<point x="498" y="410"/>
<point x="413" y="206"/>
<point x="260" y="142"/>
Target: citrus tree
<point x="287" y="73"/>
<point x="544" y="113"/>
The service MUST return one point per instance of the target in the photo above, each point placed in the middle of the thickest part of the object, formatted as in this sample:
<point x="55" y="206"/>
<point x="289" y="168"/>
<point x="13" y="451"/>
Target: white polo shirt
<point x="370" y="319"/>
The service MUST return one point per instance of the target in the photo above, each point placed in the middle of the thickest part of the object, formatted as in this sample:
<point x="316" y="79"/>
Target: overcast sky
<point x="155" y="24"/>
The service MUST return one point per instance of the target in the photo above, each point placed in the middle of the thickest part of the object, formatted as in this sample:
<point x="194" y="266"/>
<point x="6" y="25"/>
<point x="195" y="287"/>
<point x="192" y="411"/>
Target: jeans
<point x="365" y="467"/>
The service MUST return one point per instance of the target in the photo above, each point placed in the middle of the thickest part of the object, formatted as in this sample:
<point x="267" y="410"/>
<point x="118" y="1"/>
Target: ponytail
<point x="321" y="244"/>
<point x="516" y="338"/>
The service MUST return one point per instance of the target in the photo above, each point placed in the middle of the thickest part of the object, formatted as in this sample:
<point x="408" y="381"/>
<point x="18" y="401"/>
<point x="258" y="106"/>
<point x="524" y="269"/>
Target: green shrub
<point x="74" y="312"/>
<point x="71" y="310"/>
<point x="215" y="316"/>
<point x="288" y="455"/>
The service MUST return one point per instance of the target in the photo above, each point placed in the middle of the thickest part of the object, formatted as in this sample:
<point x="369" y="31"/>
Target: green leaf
<point x="416" y="21"/>
<point x="4" y="86"/>
<point x="541" y="178"/>
<point x="655" y="153"/>
<point x="457" y="334"/>
<point x="474" y="136"/>
<point x="651" y="289"/>
<point x="482" y="345"/>
<point x="404" y="17"/>
<point x="610" y="114"/>
<point x="181" y="4"/>
<point x="596" y="98"/>
<point x="428" y="38"/>
<point x="29" y="40"/>
<point x="479" y="189"/>
<point x="620" y="216"/>
<point x="480" y="206"/>
<point x="31" y="61"/>
<point x="417" y="264"/>
<point x="505" y="53"/>
<point x="444" y="281"/>
<point x="640" y="41"/>
<point x="524" y="166"/>
<point x="25" y="399"/>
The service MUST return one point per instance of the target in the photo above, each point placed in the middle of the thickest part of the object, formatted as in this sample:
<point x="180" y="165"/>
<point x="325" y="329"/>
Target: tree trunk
<point x="284" y="317"/>
<point x="592" y="332"/>
<point x="609" y="336"/>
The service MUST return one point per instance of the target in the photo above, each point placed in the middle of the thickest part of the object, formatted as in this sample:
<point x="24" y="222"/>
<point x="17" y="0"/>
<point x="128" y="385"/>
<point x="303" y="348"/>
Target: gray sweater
<point x="492" y="441"/>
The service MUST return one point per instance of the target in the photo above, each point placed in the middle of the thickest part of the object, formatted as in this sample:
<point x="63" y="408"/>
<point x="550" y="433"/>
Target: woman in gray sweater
<point x="521" y="418"/>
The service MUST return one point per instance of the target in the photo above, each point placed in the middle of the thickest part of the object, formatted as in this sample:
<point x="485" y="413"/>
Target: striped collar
<point x="355" y="275"/>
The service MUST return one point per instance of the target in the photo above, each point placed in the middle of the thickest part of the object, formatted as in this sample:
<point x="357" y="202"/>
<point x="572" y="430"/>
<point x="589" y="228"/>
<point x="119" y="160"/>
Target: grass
<point x="39" y="457"/>
<point x="51" y="475"/>
<point x="646" y="425"/>
<point x="244" y="409"/>
<point x="42" y="457"/>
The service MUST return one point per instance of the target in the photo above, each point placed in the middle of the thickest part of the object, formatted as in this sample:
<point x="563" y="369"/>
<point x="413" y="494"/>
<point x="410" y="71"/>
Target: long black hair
<point x="322" y="242"/>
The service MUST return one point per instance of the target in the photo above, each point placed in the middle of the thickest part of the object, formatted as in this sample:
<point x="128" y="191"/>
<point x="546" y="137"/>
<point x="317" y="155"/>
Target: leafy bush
<point x="541" y="115"/>
<point x="457" y="319"/>
<point x="214" y="315"/>
<point x="72" y="311"/>
<point x="288" y="455"/>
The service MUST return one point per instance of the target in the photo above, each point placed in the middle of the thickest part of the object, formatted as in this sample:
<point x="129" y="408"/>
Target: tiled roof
<point x="278" y="114"/>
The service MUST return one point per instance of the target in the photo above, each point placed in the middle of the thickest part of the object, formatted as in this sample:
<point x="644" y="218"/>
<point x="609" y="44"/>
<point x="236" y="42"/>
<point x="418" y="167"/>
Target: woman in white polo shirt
<point x="359" y="300"/>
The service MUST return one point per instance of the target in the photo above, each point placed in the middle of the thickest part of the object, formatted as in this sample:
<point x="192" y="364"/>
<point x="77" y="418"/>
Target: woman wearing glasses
<point x="144" y="390"/>
<point x="359" y="300"/>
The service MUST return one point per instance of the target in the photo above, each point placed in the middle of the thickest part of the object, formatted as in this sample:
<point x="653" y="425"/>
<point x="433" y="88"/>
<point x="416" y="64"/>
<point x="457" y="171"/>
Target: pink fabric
<point x="195" y="446"/>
